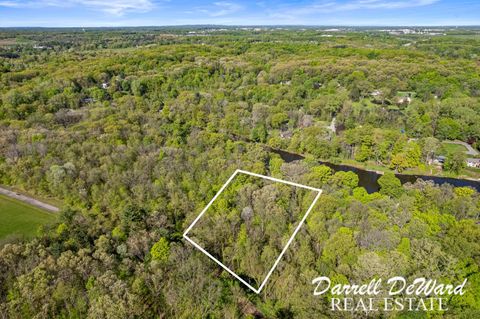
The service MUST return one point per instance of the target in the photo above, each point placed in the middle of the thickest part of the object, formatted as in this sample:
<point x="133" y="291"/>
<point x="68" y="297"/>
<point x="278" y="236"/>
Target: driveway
<point x="471" y="150"/>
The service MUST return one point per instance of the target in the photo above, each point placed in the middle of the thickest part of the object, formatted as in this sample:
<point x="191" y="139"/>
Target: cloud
<point x="385" y="4"/>
<point x="118" y="7"/>
<point x="335" y="6"/>
<point x="114" y="7"/>
<point x="221" y="8"/>
<point x="33" y="4"/>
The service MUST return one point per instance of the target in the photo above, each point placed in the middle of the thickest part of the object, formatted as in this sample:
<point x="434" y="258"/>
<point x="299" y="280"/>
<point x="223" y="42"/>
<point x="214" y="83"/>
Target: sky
<point x="93" y="13"/>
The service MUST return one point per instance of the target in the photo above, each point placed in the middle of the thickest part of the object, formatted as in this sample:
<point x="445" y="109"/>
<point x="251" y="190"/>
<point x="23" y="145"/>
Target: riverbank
<point x="369" y="175"/>
<point x="431" y="171"/>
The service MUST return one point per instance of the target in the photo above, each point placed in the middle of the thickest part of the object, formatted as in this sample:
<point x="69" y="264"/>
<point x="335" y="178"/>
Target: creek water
<point x="369" y="179"/>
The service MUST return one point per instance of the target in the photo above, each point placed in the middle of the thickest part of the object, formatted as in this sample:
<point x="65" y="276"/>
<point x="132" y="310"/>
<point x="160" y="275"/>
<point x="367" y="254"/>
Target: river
<point x="369" y="179"/>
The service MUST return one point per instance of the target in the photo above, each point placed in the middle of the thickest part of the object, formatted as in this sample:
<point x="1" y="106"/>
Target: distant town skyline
<point x="111" y="13"/>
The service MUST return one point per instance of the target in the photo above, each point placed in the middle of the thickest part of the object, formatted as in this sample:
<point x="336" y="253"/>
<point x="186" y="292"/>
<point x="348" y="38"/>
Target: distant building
<point x="404" y="100"/>
<point x="439" y="160"/>
<point x="40" y="47"/>
<point x="473" y="162"/>
<point x="405" y="97"/>
<point x="286" y="134"/>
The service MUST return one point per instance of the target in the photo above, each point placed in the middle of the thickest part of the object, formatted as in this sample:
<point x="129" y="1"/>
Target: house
<point x="104" y="85"/>
<point x="286" y="134"/>
<point x="40" y="47"/>
<point x="380" y="98"/>
<point x="473" y="162"/>
<point x="404" y="98"/>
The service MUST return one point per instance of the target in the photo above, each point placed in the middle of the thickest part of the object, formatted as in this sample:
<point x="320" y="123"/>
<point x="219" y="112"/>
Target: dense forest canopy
<point x="250" y="223"/>
<point x="136" y="129"/>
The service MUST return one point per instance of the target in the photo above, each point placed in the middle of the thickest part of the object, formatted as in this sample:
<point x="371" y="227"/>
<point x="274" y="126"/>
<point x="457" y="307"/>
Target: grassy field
<point x="17" y="218"/>
<point x="452" y="148"/>
<point x="42" y="198"/>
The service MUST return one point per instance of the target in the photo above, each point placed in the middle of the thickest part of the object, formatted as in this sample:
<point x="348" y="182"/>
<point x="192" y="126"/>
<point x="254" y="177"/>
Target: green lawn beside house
<point x="453" y="148"/>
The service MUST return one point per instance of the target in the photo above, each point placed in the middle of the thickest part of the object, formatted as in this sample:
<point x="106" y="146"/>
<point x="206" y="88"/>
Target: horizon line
<point x="247" y="25"/>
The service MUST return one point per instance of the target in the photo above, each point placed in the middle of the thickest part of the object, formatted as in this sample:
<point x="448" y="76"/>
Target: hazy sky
<point x="89" y="13"/>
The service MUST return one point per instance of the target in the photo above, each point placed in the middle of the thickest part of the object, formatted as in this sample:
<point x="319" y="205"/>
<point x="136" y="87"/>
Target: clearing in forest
<point x="18" y="218"/>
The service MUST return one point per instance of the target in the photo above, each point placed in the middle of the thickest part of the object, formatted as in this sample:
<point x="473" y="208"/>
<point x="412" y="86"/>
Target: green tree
<point x="413" y="154"/>
<point x="404" y="246"/>
<point x="399" y="162"/>
<point x="279" y="119"/>
<point x="448" y="129"/>
<point x="430" y="148"/>
<point x="455" y="162"/>
<point x="259" y="133"/>
<point x="340" y="248"/>
<point x="345" y="179"/>
<point x="390" y="185"/>
<point x="321" y="173"/>
<point x="160" y="251"/>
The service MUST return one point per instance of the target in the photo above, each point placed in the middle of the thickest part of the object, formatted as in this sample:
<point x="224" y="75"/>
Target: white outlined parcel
<point x="237" y="172"/>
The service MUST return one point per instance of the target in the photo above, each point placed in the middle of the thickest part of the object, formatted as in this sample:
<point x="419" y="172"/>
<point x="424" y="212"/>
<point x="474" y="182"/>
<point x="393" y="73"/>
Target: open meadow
<point x="18" y="218"/>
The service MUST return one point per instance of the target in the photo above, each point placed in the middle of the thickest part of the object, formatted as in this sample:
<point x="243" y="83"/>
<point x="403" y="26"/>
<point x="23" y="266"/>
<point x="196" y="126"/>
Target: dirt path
<point x="28" y="200"/>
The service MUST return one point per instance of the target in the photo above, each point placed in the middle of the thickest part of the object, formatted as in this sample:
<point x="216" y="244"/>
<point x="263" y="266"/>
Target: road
<point x="28" y="200"/>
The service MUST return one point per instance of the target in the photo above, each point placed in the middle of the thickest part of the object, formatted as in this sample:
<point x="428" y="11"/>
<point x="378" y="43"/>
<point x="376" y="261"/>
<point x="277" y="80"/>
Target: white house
<point x="473" y="162"/>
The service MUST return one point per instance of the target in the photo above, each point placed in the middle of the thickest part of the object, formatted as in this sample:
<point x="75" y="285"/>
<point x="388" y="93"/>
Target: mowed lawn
<point x="452" y="148"/>
<point x="21" y="219"/>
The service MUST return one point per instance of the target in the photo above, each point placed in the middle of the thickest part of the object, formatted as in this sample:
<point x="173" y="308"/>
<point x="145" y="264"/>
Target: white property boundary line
<point x="286" y="246"/>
